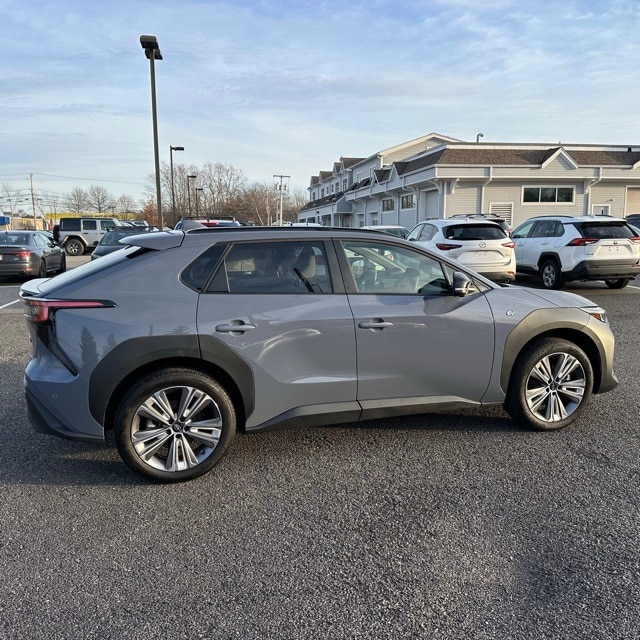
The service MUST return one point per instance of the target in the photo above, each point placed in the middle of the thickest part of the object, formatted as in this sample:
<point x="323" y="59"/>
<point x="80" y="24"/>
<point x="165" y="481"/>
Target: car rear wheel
<point x="620" y="283"/>
<point x="550" y="384"/>
<point x="42" y="269"/>
<point x="74" y="247"/>
<point x="174" y="425"/>
<point x="550" y="275"/>
<point x="63" y="264"/>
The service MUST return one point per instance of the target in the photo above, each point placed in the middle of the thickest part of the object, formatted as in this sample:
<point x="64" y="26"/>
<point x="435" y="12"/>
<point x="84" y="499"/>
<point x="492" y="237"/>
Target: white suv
<point x="562" y="248"/>
<point x="480" y="245"/>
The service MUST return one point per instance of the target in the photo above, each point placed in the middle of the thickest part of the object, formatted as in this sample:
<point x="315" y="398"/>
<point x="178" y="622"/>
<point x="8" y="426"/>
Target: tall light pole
<point x="189" y="178"/>
<point x="197" y="207"/>
<point x="153" y="53"/>
<point x="282" y="188"/>
<point x="173" y="192"/>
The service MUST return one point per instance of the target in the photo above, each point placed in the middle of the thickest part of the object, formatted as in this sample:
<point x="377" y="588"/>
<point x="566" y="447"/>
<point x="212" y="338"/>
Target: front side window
<point x="381" y="268"/>
<point x="284" y="267"/>
<point x="547" y="195"/>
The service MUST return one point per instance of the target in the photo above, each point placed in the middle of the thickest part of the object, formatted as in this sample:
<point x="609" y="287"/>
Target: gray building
<point x="436" y="176"/>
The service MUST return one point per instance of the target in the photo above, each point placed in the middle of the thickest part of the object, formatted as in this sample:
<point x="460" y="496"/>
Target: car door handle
<point x="374" y="324"/>
<point x="241" y="327"/>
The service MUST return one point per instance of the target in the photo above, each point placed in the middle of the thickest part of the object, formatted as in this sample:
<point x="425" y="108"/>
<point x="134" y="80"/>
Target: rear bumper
<point x="43" y="421"/>
<point x="602" y="270"/>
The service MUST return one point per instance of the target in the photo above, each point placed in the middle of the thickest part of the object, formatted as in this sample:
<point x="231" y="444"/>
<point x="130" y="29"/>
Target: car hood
<point x="560" y="298"/>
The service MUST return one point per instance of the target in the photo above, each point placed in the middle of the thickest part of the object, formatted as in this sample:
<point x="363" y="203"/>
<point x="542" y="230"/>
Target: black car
<point x="30" y="253"/>
<point x="110" y="241"/>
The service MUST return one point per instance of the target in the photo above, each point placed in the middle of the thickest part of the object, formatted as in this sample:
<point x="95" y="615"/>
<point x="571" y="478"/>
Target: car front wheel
<point x="620" y="283"/>
<point x="550" y="275"/>
<point x="550" y="384"/>
<point x="174" y="425"/>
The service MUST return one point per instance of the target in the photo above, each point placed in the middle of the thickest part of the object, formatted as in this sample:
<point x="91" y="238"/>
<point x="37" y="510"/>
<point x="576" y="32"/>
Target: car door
<point x="275" y="306"/>
<point x="416" y="342"/>
<point x="524" y="245"/>
<point x="49" y="251"/>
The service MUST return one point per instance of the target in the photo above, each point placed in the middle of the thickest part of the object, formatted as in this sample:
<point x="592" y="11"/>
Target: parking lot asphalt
<point x="446" y="525"/>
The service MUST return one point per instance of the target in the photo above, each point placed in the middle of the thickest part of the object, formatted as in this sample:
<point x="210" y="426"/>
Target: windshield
<point x="604" y="230"/>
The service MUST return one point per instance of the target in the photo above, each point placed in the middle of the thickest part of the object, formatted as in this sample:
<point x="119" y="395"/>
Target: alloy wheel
<point x="176" y="428"/>
<point x="555" y="387"/>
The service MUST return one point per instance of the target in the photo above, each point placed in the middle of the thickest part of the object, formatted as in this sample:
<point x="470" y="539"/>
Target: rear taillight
<point x="509" y="245"/>
<point x="581" y="242"/>
<point x="21" y="254"/>
<point x="447" y="247"/>
<point x="635" y="239"/>
<point x="40" y="310"/>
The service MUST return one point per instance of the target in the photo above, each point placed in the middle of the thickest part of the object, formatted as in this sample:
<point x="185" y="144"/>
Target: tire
<point x="74" y="247"/>
<point x="550" y="275"/>
<point x="158" y="446"/>
<point x="550" y="384"/>
<point x="63" y="263"/>
<point x="42" y="269"/>
<point x="620" y="283"/>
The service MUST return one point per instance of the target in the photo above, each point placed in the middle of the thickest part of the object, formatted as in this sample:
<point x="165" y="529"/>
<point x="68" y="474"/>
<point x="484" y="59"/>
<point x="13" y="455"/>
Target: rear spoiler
<point x="154" y="240"/>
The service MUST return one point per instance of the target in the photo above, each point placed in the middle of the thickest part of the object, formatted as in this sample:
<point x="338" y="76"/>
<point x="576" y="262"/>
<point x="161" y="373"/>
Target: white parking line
<point x="632" y="287"/>
<point x="9" y="304"/>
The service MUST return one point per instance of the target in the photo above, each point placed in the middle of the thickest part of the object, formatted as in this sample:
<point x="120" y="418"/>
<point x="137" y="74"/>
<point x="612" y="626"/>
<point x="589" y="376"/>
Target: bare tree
<point x="76" y="200"/>
<point x="126" y="207"/>
<point x="296" y="199"/>
<point x="221" y="183"/>
<point x="99" y="199"/>
<point x="10" y="198"/>
<point x="256" y="203"/>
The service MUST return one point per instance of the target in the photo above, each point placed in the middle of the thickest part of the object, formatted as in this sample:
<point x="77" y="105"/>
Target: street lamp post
<point x="173" y="192"/>
<point x="153" y="53"/>
<point x="189" y="178"/>
<point x="197" y="207"/>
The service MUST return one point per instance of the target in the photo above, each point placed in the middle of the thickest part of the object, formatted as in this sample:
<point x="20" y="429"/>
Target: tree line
<point x="218" y="189"/>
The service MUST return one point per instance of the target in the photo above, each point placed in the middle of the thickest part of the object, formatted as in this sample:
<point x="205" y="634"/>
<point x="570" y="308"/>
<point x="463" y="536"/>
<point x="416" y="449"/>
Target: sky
<point x="288" y="87"/>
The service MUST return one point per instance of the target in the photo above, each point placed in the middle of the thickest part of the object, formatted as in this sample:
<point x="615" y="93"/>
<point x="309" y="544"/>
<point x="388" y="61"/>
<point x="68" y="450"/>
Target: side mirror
<point x="462" y="285"/>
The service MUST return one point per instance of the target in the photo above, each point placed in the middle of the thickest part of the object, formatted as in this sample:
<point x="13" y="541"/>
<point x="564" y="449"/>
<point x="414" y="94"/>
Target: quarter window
<point x="547" y="195"/>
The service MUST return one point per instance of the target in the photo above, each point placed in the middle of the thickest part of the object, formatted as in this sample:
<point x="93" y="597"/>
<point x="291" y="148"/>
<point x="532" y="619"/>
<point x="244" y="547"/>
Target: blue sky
<point x="288" y="87"/>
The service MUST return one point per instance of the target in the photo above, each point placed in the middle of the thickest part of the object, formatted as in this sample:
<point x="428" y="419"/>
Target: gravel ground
<point x="448" y="525"/>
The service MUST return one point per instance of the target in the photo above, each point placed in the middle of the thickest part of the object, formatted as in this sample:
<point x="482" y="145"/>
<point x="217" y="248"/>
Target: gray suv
<point x="182" y="338"/>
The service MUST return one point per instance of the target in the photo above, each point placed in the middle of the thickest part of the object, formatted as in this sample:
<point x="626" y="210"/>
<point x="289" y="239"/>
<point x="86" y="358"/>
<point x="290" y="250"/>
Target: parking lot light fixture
<point x="153" y="53"/>
<point x="173" y="192"/>
<point x="189" y="179"/>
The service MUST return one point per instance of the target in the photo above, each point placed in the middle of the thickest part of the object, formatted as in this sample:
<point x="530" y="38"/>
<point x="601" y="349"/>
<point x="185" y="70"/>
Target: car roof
<point x="170" y="239"/>
<point x="446" y="222"/>
<point x="570" y="219"/>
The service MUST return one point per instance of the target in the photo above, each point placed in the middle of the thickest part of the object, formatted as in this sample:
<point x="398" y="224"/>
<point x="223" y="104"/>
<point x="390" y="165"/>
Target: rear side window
<point x="70" y="224"/>
<point x="285" y="267"/>
<point x="605" y="230"/>
<point x="474" y="232"/>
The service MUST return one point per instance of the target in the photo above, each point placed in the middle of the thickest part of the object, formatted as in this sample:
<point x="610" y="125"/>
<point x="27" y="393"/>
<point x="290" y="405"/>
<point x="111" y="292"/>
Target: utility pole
<point x="281" y="187"/>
